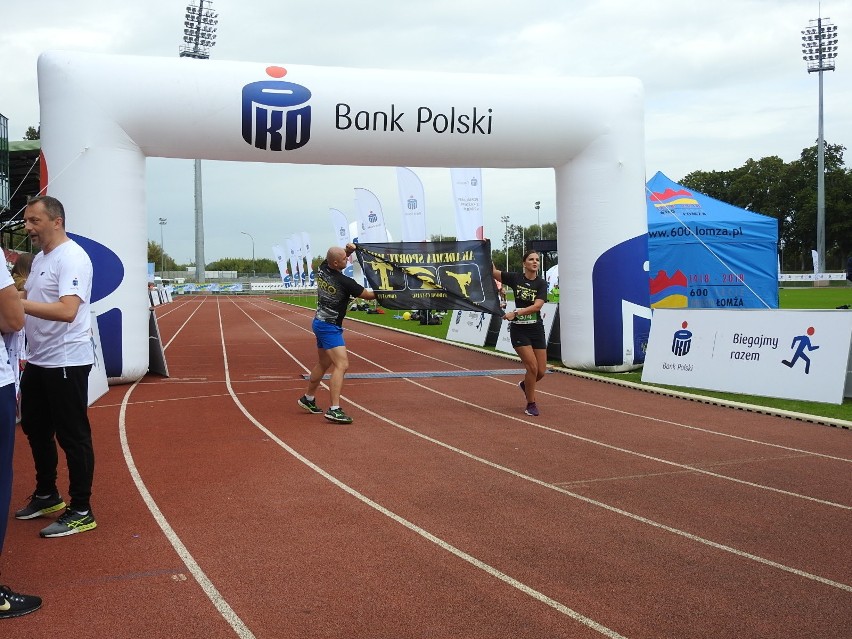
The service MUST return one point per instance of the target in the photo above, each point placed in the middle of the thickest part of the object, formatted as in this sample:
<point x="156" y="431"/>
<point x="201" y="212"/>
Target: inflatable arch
<point x="101" y="116"/>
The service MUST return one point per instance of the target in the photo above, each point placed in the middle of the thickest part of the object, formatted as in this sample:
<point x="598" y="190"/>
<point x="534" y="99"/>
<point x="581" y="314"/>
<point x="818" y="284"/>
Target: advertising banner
<point x="469" y="327"/>
<point x="467" y="196"/>
<point x="412" y="204"/>
<point x="787" y="354"/>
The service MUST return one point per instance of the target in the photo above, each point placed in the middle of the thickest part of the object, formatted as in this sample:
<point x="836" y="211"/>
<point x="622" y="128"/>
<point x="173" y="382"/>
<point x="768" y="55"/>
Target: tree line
<point x="787" y="191"/>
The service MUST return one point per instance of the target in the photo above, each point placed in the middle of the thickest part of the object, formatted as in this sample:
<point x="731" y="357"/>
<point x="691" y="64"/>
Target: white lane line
<point x="621" y="411"/>
<point x="588" y="500"/>
<point x="598" y="406"/>
<point x="626" y="451"/>
<point x="192" y="566"/>
<point x="527" y="590"/>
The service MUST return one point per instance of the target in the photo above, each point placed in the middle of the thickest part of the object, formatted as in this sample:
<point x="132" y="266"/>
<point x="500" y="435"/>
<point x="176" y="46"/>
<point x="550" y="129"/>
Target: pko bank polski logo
<point x="276" y="116"/>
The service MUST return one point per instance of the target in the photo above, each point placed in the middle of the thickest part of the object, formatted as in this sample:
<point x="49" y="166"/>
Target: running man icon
<point x="804" y="342"/>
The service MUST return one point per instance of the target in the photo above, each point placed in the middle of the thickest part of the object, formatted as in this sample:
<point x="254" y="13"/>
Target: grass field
<point x="789" y="298"/>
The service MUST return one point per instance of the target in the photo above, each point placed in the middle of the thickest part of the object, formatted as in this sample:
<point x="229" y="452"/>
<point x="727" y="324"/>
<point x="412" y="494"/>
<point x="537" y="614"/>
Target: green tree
<point x="788" y="192"/>
<point x="159" y="259"/>
<point x="33" y="133"/>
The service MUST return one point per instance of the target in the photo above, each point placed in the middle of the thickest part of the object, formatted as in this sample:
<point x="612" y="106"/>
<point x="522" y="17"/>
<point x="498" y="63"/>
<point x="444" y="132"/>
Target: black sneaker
<point x="532" y="409"/>
<point x="13" y="604"/>
<point x="337" y="415"/>
<point x="309" y="405"/>
<point x="522" y="386"/>
<point x="70" y="523"/>
<point x="38" y="507"/>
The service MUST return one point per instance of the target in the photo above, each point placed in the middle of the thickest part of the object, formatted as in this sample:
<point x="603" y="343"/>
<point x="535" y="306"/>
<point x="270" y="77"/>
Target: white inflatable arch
<point x="101" y="116"/>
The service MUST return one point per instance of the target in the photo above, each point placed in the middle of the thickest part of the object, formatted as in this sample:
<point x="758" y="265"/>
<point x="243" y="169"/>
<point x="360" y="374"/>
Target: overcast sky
<point x="724" y="82"/>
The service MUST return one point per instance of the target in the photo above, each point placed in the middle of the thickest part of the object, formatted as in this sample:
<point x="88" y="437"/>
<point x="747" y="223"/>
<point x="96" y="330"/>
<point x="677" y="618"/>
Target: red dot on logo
<point x="276" y="72"/>
<point x="811" y="330"/>
<point x="684" y="325"/>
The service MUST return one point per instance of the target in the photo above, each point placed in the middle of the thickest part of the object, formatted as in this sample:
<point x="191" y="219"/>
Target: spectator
<point x="55" y="382"/>
<point x="12" y="604"/>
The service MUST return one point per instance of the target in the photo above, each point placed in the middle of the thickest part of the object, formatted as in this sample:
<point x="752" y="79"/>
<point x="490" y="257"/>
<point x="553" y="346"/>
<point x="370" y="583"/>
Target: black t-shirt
<point x="334" y="289"/>
<point x="526" y="293"/>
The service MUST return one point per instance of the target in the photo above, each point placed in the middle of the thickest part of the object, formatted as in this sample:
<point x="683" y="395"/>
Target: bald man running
<point x="334" y="290"/>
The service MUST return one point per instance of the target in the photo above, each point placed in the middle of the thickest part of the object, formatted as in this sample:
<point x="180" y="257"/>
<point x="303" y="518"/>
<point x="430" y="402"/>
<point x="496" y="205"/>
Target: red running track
<point x="443" y="512"/>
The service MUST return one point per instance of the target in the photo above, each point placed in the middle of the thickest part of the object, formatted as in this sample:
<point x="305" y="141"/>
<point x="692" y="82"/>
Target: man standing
<point x="55" y="382"/>
<point x="12" y="604"/>
<point x="334" y="289"/>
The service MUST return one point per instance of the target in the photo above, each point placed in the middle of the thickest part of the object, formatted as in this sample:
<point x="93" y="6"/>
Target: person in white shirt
<point x="55" y="381"/>
<point x="12" y="604"/>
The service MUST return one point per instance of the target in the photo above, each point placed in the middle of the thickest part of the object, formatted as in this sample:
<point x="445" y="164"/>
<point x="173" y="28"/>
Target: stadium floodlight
<point x="200" y="22"/>
<point x="163" y="222"/>
<point x="505" y="220"/>
<point x="819" y="49"/>
<point x="538" y="217"/>
<point x="199" y="40"/>
<point x="252" y="250"/>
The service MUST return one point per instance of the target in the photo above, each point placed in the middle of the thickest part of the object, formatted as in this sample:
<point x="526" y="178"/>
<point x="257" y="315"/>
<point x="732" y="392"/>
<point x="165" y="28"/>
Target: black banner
<point x="435" y="276"/>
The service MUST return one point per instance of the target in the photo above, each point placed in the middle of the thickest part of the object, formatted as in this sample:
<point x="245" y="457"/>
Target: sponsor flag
<point x="371" y="218"/>
<point x="467" y="196"/>
<point x="306" y="253"/>
<point x="412" y="203"/>
<point x="340" y="227"/>
<point x="294" y="260"/>
<point x="438" y="276"/>
<point x="281" y="260"/>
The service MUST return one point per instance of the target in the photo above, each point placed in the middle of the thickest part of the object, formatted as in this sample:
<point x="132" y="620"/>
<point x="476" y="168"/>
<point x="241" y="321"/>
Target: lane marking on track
<point x="189" y="561"/>
<point x="527" y="590"/>
<point x="583" y="498"/>
<point x="626" y="451"/>
<point x="584" y="403"/>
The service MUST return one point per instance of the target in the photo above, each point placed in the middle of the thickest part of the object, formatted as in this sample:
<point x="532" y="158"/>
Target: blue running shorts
<point x="328" y="335"/>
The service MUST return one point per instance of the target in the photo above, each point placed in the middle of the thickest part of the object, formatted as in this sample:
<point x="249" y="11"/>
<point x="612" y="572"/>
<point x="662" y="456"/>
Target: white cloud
<point x="724" y="82"/>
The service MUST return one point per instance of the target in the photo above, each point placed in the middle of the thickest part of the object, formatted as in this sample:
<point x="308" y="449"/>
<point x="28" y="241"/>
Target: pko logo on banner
<point x="681" y="341"/>
<point x="275" y="114"/>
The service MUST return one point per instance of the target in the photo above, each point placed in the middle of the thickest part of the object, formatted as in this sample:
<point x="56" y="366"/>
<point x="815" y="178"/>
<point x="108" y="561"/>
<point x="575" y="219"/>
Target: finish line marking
<point x="502" y="371"/>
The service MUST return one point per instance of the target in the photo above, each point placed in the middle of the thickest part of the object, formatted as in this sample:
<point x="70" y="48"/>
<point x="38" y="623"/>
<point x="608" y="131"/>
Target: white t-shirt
<point x="7" y="375"/>
<point x="66" y="270"/>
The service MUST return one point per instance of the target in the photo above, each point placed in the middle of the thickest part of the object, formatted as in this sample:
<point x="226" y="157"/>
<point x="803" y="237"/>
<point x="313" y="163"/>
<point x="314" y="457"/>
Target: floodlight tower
<point x="538" y="217"/>
<point x="199" y="35"/>
<point x="819" y="48"/>
<point x="252" y="250"/>
<point x="163" y="222"/>
<point x="505" y="220"/>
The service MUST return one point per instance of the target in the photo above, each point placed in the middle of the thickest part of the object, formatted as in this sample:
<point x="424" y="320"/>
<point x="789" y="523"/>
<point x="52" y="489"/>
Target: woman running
<point x="526" y="328"/>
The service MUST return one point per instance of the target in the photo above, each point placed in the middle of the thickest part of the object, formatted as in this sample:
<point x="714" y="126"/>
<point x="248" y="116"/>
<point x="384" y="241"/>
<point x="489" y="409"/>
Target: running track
<point x="443" y="512"/>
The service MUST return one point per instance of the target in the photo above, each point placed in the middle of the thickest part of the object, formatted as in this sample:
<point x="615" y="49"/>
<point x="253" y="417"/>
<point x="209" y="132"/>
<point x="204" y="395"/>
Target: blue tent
<point x="704" y="253"/>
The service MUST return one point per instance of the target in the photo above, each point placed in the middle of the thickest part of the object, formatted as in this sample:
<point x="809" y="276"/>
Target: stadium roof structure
<point x="24" y="181"/>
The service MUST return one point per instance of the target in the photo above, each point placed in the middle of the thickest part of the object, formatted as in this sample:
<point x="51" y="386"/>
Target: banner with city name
<point x="437" y="276"/>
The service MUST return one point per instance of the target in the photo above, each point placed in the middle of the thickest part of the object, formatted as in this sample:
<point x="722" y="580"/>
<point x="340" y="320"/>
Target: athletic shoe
<point x="13" y="604"/>
<point x="522" y="386"/>
<point x="309" y="405"/>
<point x="70" y="523"/>
<point x="532" y="409"/>
<point x="38" y="507"/>
<point x="337" y="415"/>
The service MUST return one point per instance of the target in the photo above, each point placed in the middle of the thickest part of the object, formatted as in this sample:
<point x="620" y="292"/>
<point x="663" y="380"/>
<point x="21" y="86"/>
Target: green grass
<point x="814" y="298"/>
<point x="789" y="298"/>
